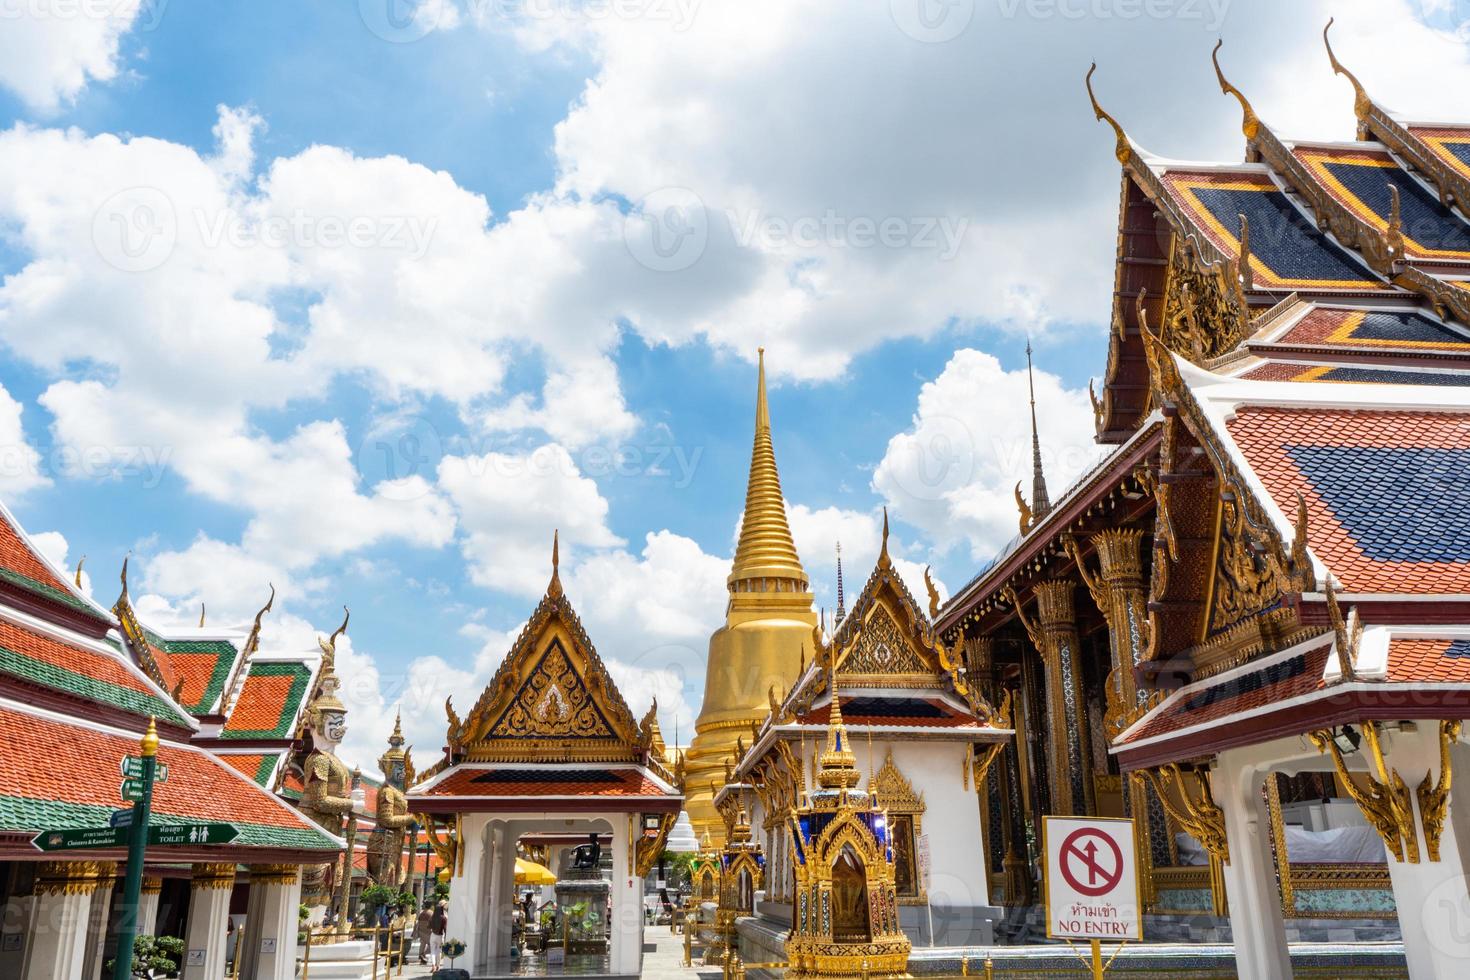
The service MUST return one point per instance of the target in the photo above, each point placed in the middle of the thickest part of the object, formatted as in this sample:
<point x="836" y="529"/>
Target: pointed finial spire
<point x="201" y="615"/>
<point x="554" y="588"/>
<point x="837" y="766"/>
<point x="1362" y="105"/>
<point x="80" y="562"/>
<point x="1124" y="150"/>
<point x="765" y="555"/>
<point x="1040" y="501"/>
<point x="1250" y="123"/>
<point x="149" y="745"/>
<point x="841" y="612"/>
<point x="124" y="577"/>
<point x="883" y="560"/>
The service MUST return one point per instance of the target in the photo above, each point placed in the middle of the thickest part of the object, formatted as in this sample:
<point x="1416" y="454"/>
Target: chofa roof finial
<point x="1250" y="123"/>
<point x="1362" y="105"/>
<point x="1124" y="150"/>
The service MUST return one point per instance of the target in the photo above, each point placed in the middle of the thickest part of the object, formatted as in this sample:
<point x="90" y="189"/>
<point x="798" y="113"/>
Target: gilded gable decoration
<point x="552" y="698"/>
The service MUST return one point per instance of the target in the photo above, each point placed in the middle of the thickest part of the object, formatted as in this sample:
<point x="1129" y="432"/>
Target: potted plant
<point x="377" y="898"/>
<point x="154" y="956"/>
<point x="454" y="949"/>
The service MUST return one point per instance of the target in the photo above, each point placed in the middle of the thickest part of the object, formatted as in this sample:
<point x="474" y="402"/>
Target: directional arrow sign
<point x="192" y="833"/>
<point x="83" y="838"/>
<point x="130" y="790"/>
<point x="121" y="818"/>
<point x="132" y="768"/>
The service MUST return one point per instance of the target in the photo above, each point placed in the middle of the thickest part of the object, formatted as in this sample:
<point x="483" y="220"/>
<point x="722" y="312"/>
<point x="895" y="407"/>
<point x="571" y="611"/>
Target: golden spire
<point x="80" y="562"/>
<point x="1040" y="500"/>
<point x="1124" y="149"/>
<point x="149" y="745"/>
<point x="553" y="588"/>
<point x="883" y="560"/>
<point x="837" y="767"/>
<point x="765" y="550"/>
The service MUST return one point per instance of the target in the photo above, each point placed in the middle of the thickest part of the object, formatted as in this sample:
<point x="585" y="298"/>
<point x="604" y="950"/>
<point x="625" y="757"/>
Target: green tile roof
<point x="285" y="717"/>
<point x="223" y="651"/>
<point x="49" y="592"/>
<point x="62" y="679"/>
<point x="26" y="815"/>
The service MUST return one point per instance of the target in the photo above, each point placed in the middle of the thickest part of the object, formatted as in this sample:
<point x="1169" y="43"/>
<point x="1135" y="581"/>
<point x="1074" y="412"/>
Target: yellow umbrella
<point x="531" y="873"/>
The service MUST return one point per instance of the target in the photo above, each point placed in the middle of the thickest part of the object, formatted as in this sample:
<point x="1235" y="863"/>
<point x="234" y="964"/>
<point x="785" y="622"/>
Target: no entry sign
<point x="1091" y="879"/>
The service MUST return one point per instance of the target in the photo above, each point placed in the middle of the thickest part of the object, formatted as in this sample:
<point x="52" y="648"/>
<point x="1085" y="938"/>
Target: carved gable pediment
<point x="551" y="699"/>
<point x="883" y="648"/>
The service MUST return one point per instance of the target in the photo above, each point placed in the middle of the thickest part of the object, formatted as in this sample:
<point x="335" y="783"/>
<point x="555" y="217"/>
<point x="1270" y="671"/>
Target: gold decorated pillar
<point x="209" y="913"/>
<point x="1054" y="633"/>
<point x="1002" y="805"/>
<point x="1118" y="591"/>
<point x="58" y="931"/>
<point x="98" y="915"/>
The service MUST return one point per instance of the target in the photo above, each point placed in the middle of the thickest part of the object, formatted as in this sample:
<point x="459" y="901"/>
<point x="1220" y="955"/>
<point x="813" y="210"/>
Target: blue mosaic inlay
<point x="1246" y="683"/>
<point x="1281" y="237"/>
<point x="1360" y="375"/>
<point x="1425" y="220"/>
<point x="1460" y="151"/>
<point x="1397" y="504"/>
<point x="1458" y="649"/>
<point x="1402" y="325"/>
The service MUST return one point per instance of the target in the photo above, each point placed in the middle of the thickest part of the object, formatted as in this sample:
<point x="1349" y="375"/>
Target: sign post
<point x="137" y="831"/>
<point x="1091" y="883"/>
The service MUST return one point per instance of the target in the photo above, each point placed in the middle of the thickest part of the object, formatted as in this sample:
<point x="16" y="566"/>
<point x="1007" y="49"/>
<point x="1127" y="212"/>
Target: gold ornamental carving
<point x="1434" y="799"/>
<point x="1195" y="811"/>
<point x="70" y="877"/>
<point x="1381" y="794"/>
<point x="213" y="876"/>
<point x="274" y="874"/>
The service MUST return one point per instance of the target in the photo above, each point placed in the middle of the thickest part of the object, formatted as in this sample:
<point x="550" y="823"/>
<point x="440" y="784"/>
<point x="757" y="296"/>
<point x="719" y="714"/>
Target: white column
<point x="59" y="915"/>
<point x="148" y="906"/>
<point x="17" y="924"/>
<point x="209" y="910"/>
<point x="627" y="902"/>
<point x="1432" y="896"/>
<point x="1250" y="878"/>
<point x="267" y="948"/>
<point x="502" y="885"/>
<point x="466" y="894"/>
<point x="98" y="915"/>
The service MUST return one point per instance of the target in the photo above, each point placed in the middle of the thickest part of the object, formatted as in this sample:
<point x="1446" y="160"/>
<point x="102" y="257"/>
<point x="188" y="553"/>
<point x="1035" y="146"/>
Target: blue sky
<point x="368" y="424"/>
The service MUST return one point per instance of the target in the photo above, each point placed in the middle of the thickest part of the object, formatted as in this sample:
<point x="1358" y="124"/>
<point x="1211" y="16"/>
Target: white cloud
<point x="20" y="463"/>
<point x="509" y="505"/>
<point x="817" y="533"/>
<point x="953" y="473"/>
<point x="49" y="52"/>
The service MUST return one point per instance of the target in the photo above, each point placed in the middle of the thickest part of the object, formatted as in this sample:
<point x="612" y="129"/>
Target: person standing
<point x="438" y="925"/>
<point x="421" y="931"/>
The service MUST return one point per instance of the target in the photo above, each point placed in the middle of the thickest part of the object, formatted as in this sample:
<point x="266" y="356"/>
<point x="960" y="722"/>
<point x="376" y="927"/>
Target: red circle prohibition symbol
<point x="1099" y="880"/>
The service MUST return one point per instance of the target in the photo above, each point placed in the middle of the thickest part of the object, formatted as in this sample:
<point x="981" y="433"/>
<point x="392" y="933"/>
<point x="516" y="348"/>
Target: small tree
<point x="154" y="954"/>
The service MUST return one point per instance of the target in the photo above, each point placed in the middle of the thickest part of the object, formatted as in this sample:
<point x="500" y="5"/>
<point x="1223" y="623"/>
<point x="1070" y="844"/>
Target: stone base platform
<point x="342" y="961"/>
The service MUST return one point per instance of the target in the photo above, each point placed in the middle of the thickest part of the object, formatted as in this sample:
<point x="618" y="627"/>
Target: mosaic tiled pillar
<point x="97" y="919"/>
<point x="58" y="932"/>
<point x="1002" y="807"/>
<point x="1067" y="740"/>
<point x="1123" y="603"/>
<point x="209" y="912"/>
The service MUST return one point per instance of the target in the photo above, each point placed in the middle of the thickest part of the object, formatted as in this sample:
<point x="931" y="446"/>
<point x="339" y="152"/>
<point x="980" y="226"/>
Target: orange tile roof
<point x="16" y="556"/>
<point x="945" y="716"/>
<point x="1428" y="660"/>
<point x="548" y="781"/>
<point x="269" y="701"/>
<point x="48" y="762"/>
<point x="79" y="670"/>
<point x="1267" y="436"/>
<point x="255" y="766"/>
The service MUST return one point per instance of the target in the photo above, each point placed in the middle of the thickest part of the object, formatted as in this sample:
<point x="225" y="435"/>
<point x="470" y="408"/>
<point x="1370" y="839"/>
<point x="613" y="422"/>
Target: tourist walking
<point x="438" y="925"/>
<point x="421" y="931"/>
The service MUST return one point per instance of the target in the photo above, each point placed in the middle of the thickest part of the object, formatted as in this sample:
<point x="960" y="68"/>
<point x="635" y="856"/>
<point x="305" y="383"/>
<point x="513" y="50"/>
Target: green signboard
<point x="132" y="768"/>
<point x="100" y="838"/>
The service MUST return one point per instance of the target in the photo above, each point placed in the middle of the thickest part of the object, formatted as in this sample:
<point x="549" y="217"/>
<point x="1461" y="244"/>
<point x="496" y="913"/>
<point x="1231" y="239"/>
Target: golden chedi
<point x="768" y="623"/>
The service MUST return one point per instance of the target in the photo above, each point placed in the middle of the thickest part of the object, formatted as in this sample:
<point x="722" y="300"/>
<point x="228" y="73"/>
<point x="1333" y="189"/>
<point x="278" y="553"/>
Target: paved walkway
<point x="665" y="962"/>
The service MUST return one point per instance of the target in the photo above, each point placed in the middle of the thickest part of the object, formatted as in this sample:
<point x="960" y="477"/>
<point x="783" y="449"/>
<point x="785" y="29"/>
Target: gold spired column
<point x="1118" y="593"/>
<point x="768" y="621"/>
<point x="1054" y="633"/>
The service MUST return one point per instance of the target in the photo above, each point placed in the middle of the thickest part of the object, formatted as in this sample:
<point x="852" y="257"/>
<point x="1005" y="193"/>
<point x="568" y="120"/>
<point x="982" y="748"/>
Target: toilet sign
<point x="1091" y="879"/>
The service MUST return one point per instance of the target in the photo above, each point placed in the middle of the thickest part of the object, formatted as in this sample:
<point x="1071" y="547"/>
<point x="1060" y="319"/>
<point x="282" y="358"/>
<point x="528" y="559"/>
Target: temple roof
<point x="23" y="566"/>
<point x="271" y="699"/>
<point x="1303" y="689"/>
<point x="48" y="783"/>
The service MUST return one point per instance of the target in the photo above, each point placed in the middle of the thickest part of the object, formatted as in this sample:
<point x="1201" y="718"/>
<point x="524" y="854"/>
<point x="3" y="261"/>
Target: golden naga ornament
<point x="846" y="916"/>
